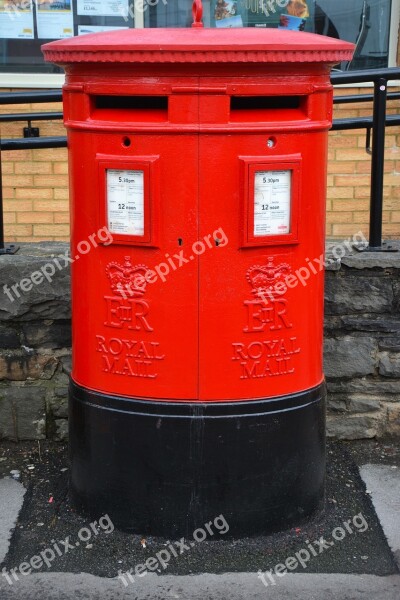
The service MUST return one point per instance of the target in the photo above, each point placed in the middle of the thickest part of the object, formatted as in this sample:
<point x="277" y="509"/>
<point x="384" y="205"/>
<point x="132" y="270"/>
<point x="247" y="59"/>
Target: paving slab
<point x="11" y="499"/>
<point x="383" y="482"/>
<point x="235" y="586"/>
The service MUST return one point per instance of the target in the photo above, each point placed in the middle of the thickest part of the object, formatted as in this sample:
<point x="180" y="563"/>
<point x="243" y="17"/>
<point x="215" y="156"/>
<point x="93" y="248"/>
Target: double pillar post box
<point x="198" y="176"/>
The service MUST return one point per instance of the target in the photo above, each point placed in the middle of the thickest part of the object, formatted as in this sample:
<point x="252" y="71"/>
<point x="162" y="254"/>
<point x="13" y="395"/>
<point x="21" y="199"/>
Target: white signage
<point x="54" y="19"/>
<point x="272" y="195"/>
<point x="103" y="8"/>
<point x="16" y="20"/>
<point x="83" y="29"/>
<point x="125" y="202"/>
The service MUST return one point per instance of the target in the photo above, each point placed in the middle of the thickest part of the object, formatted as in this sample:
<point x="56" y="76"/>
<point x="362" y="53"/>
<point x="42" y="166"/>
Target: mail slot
<point x="197" y="386"/>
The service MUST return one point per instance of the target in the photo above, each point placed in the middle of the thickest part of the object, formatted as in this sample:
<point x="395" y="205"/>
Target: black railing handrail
<point x="365" y="76"/>
<point x="37" y="116"/>
<point x="30" y="97"/>
<point x="363" y="122"/>
<point x="353" y="98"/>
<point x="376" y="123"/>
<point x="34" y="143"/>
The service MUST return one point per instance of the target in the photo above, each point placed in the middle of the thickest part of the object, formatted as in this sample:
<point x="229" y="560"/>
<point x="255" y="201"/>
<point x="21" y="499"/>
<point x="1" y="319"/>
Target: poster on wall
<point x="82" y="29"/>
<point x="102" y="8"/>
<point x="226" y="14"/>
<point x="16" y="19"/>
<point x="54" y="19"/>
<point x="296" y="17"/>
<point x="268" y="13"/>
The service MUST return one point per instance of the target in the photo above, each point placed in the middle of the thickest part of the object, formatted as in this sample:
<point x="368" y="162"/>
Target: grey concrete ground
<point x="11" y="499"/>
<point x="230" y="586"/>
<point x="382" y="482"/>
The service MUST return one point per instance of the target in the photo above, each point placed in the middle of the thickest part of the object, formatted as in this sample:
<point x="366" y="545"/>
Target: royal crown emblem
<point x="127" y="280"/>
<point x="264" y="279"/>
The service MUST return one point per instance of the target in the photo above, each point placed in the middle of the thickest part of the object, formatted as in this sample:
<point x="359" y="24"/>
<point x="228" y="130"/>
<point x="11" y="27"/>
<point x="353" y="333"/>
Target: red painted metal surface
<point x="198" y="307"/>
<point x="197" y="11"/>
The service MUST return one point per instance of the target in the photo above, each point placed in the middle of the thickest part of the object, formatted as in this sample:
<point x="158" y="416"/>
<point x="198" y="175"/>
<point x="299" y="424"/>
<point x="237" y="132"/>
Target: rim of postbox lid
<point x="199" y="45"/>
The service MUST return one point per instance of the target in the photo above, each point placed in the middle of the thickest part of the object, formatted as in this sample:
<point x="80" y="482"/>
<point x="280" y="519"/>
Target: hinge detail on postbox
<point x="199" y="89"/>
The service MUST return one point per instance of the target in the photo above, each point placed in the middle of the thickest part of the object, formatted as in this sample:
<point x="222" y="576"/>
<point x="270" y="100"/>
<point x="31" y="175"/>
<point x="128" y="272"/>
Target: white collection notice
<point x="102" y="8"/>
<point x="272" y="194"/>
<point x="125" y="202"/>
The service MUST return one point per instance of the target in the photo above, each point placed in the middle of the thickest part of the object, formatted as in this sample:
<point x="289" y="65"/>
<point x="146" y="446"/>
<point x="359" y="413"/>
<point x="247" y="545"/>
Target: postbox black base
<point x="167" y="468"/>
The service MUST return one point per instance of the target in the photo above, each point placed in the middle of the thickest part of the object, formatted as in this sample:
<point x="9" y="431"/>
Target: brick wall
<point x="349" y="174"/>
<point x="35" y="182"/>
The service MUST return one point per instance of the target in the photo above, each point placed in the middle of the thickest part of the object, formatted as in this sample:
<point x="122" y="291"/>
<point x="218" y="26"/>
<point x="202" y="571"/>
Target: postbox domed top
<point x="198" y="45"/>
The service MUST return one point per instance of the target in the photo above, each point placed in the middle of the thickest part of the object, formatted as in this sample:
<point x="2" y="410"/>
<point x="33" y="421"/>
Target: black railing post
<point x="4" y="248"/>
<point x="377" y="163"/>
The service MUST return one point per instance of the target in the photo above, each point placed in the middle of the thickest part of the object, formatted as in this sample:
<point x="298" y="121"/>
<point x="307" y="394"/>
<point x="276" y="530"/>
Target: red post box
<point x="197" y="385"/>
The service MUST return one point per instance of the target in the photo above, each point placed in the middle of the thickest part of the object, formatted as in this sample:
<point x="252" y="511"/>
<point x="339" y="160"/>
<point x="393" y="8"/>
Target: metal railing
<point x="376" y="124"/>
<point x="30" y="141"/>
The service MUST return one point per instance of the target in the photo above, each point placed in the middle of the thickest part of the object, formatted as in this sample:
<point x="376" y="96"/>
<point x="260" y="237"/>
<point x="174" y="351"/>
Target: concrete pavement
<point x="383" y="486"/>
<point x="11" y="498"/>
<point x="230" y="586"/>
<point x="383" y="482"/>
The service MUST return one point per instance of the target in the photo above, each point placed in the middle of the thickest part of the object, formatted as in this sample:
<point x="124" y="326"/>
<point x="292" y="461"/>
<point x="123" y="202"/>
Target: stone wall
<point x="35" y="346"/>
<point x="362" y="345"/>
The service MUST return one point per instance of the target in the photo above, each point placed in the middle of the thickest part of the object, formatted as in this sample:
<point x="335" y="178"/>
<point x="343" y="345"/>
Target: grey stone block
<point x="390" y="343"/>
<point x="373" y="260"/>
<point x="366" y="385"/>
<point x="61" y="434"/>
<point x="9" y="337"/>
<point x="66" y="362"/>
<point x="59" y="407"/>
<point x="354" y="427"/>
<point x="361" y="404"/>
<point x="336" y="405"/>
<point x="349" y="356"/>
<point x="332" y="263"/>
<point x="389" y="365"/>
<point x="44" y="300"/>
<point x="47" y="334"/>
<point x="393" y="416"/>
<point x="380" y="324"/>
<point x="347" y="295"/>
<point x="396" y="290"/>
<point x="21" y="365"/>
<point x="22" y="413"/>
